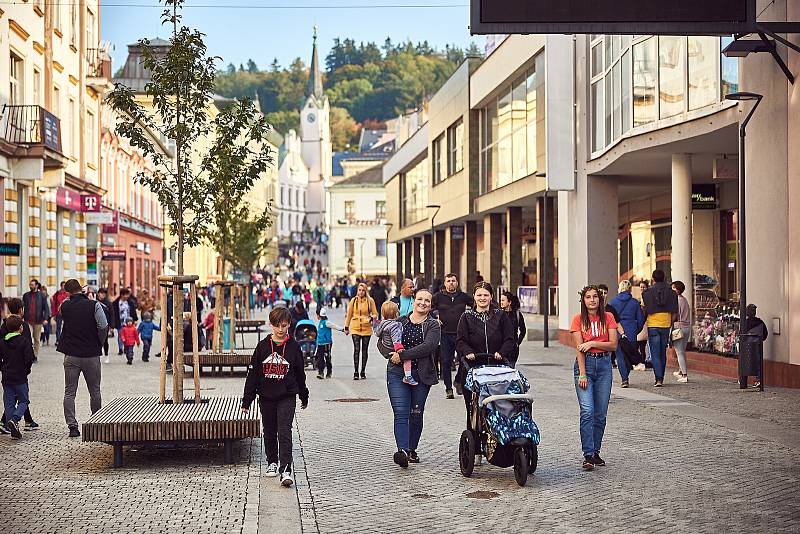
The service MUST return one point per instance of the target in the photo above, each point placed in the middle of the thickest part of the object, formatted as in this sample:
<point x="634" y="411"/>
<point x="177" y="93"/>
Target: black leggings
<point x="363" y="341"/>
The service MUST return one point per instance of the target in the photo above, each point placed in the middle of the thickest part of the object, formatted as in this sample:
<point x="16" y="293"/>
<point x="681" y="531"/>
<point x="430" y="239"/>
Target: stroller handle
<point x="484" y="358"/>
<point x="526" y="397"/>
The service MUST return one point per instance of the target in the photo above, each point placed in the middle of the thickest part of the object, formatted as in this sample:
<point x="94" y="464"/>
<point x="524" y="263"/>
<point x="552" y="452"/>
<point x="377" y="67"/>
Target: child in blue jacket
<point x="324" y="343"/>
<point x="146" y="328"/>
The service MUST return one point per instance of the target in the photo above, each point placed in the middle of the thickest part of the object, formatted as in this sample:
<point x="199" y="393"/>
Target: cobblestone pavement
<point x="701" y="457"/>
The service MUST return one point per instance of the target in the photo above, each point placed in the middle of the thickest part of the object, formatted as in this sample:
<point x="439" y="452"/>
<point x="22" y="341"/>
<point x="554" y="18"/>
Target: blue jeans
<point x="408" y="405"/>
<point x="448" y="352"/>
<point x="119" y="339"/>
<point x="624" y="370"/>
<point x="59" y="322"/>
<point x="593" y="402"/>
<point x="146" y="344"/>
<point x="658" y="338"/>
<point x="15" y="401"/>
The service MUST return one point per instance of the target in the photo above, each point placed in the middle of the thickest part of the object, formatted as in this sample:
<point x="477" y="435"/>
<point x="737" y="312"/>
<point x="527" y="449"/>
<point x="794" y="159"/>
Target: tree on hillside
<point x="344" y="130"/>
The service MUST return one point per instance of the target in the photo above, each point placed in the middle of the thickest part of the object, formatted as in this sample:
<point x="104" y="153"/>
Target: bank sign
<point x="704" y="197"/>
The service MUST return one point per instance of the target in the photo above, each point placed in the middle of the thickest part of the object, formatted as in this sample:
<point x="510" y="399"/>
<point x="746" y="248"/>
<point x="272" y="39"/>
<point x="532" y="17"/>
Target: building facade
<point x="54" y="74"/>
<point x="358" y="245"/>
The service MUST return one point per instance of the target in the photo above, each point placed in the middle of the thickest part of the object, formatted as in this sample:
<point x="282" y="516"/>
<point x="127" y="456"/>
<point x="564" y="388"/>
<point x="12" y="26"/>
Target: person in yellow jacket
<point x="360" y="313"/>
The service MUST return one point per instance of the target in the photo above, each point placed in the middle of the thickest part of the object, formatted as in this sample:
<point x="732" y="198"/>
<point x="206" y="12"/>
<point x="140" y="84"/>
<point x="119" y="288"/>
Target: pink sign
<point x="90" y="203"/>
<point x="112" y="228"/>
<point x="68" y="199"/>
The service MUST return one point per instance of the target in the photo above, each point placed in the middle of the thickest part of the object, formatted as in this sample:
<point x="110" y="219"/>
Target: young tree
<point x="176" y="104"/>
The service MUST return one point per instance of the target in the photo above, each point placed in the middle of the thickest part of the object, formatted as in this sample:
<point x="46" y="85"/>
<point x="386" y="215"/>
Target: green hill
<point x="366" y="84"/>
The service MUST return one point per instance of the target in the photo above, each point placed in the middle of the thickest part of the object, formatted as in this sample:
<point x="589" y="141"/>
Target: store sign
<point x="529" y="232"/>
<point x="90" y="203"/>
<point x="113" y="255"/>
<point x="457" y="232"/>
<point x="9" y="249"/>
<point x="139" y="226"/>
<point x="113" y="227"/>
<point x="99" y="217"/>
<point x="68" y="199"/>
<point x="51" y="130"/>
<point x="91" y="266"/>
<point x="704" y="197"/>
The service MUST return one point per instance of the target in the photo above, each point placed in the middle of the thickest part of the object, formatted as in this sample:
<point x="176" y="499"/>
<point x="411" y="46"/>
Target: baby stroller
<point x="500" y="426"/>
<point x="305" y="333"/>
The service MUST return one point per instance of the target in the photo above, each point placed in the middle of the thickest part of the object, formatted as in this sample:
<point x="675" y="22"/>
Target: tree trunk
<point x="177" y="293"/>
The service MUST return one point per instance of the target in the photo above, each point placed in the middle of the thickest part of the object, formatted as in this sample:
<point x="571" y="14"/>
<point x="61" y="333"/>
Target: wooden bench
<point x="249" y="326"/>
<point x="218" y="360"/>
<point x="145" y="421"/>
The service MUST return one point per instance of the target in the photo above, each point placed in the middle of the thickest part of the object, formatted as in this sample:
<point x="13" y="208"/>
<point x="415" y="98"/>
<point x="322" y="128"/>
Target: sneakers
<point x="639" y="367"/>
<point x="108" y="360"/>
<point x="449" y="394"/>
<point x="74" y="432"/>
<point x="412" y="457"/>
<point x="596" y="460"/>
<point x="320" y="376"/>
<point x="625" y="384"/>
<point x="272" y="470"/>
<point x="401" y="458"/>
<point x="286" y="479"/>
<point x="355" y="376"/>
<point x="683" y="379"/>
<point x="410" y="380"/>
<point x="363" y="375"/>
<point x="130" y="362"/>
<point x="4" y="430"/>
<point x="658" y="384"/>
<point x="169" y="368"/>
<point x="33" y="425"/>
<point x="676" y="374"/>
<point x="328" y="375"/>
<point x="13" y="429"/>
<point x="588" y="463"/>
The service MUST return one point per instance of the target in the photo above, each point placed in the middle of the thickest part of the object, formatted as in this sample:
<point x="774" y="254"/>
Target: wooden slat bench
<point x="145" y="421"/>
<point x="249" y="326"/>
<point x="218" y="360"/>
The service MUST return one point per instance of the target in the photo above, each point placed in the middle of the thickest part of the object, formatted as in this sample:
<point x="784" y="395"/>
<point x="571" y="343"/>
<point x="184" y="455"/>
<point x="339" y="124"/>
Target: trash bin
<point x="226" y="335"/>
<point x="751" y="352"/>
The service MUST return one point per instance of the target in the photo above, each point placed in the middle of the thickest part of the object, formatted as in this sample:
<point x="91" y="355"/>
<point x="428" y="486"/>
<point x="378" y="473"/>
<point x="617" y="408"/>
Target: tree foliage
<point x="367" y="81"/>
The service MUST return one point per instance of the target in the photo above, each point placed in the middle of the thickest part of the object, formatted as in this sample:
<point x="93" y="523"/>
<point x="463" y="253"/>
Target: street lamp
<point x="363" y="241"/>
<point x="437" y="207"/>
<point x="388" y="226"/>
<point x="742" y="97"/>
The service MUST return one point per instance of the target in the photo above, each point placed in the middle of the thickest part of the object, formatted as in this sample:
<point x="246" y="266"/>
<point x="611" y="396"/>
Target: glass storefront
<point x="414" y="193"/>
<point x="638" y="80"/>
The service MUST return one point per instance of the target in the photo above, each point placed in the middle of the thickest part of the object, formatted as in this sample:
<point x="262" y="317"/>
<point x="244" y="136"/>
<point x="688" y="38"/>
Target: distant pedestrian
<point x="58" y="298"/>
<point x="753" y="325"/>
<point x="681" y="331"/>
<point x="323" y="358"/>
<point x="661" y="308"/>
<point x="123" y="309"/>
<point x="15" y="308"/>
<point x="16" y="359"/>
<point x="594" y="333"/>
<point x="509" y="303"/>
<point x="450" y="304"/>
<point x="37" y="310"/>
<point x="85" y="326"/>
<point x="361" y="312"/>
<point x="146" y="329"/>
<point x="421" y="335"/>
<point x="378" y="293"/>
<point x="47" y="325"/>
<point x="631" y="321"/>
<point x="405" y="299"/>
<point x="277" y="375"/>
<point x="102" y="298"/>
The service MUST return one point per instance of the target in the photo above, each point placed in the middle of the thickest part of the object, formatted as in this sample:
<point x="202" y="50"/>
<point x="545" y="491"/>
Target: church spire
<point x="314" y="86"/>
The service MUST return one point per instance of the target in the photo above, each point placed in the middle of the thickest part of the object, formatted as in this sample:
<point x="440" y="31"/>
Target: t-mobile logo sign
<point x="90" y="203"/>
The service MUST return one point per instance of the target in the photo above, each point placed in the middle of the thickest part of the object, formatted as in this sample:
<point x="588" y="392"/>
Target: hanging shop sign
<point x="90" y="203"/>
<point x="113" y="254"/>
<point x="68" y="199"/>
<point x="457" y="232"/>
<point x="51" y="130"/>
<point x="113" y="226"/>
<point x="704" y="197"/>
<point x="9" y="249"/>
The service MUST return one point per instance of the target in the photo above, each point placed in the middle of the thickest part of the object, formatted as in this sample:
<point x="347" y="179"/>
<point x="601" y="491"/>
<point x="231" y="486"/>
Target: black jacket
<point x="450" y="307"/>
<point x="81" y="335"/>
<point x="423" y="353"/>
<point x="16" y="358"/>
<point x="275" y="375"/>
<point x="495" y="335"/>
<point x="378" y="294"/>
<point x="115" y="313"/>
<point x="26" y="331"/>
<point x="660" y="298"/>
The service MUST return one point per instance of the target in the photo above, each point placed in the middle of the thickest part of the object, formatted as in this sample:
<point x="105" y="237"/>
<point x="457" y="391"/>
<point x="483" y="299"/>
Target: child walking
<point x="16" y="359"/>
<point x="277" y="375"/>
<point x="130" y="338"/>
<point x="146" y="328"/>
<point x="325" y="343"/>
<point x="390" y="333"/>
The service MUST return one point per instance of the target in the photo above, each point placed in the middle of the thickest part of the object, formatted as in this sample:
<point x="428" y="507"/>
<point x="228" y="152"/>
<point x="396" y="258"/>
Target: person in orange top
<point x="594" y="332"/>
<point x="360" y="313"/>
<point x="130" y="338"/>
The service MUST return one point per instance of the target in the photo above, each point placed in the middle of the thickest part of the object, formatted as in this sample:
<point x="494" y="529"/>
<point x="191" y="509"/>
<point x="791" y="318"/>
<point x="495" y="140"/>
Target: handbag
<point x="676" y="334"/>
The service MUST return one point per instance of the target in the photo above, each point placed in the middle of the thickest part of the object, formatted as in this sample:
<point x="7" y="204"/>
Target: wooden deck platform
<point x="143" y="420"/>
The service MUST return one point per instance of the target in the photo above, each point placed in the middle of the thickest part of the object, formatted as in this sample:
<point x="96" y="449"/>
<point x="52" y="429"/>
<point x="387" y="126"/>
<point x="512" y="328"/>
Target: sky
<point x="238" y="30"/>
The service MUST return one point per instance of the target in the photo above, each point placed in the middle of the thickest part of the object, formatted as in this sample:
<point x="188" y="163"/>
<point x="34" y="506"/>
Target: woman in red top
<point x="594" y="332"/>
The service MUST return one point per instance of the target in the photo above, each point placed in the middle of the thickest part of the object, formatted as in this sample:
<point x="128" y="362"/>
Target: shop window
<point x="703" y="71"/>
<point x="455" y="147"/>
<point x="414" y="193"/>
<point x="380" y="248"/>
<point x="380" y="209"/>
<point x="645" y="74"/>
<point x="672" y="75"/>
<point x="437" y="159"/>
<point x="349" y="210"/>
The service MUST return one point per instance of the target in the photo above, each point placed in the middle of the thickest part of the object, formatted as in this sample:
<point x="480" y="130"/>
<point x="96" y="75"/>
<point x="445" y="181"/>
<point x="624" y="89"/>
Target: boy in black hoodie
<point x="16" y="307"/>
<point x="277" y="374"/>
<point x="16" y="359"/>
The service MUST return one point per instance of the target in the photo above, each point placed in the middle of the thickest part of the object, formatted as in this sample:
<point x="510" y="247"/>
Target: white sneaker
<point x="640" y="367"/>
<point x="108" y="360"/>
<point x="676" y="374"/>
<point x="683" y="379"/>
<point x="272" y="470"/>
<point x="286" y="478"/>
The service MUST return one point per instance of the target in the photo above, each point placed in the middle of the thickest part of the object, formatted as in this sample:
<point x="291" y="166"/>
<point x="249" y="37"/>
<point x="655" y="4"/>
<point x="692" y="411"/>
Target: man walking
<point x="378" y="293"/>
<point x="58" y="298"/>
<point x="122" y="309"/>
<point x="85" y="326"/>
<point x="450" y="303"/>
<point x="36" y="311"/>
<point x="661" y="308"/>
<point x="406" y="297"/>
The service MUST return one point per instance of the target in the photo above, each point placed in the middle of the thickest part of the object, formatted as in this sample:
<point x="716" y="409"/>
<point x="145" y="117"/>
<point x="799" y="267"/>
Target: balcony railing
<point x="30" y="125"/>
<point x="98" y="63"/>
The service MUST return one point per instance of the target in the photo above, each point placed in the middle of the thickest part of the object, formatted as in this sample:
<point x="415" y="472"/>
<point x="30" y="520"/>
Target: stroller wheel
<point x="534" y="459"/>
<point x="521" y="464"/>
<point x="466" y="453"/>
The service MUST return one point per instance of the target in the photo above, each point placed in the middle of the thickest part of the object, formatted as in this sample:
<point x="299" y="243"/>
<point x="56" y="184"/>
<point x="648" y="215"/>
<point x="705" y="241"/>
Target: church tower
<point x="315" y="132"/>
